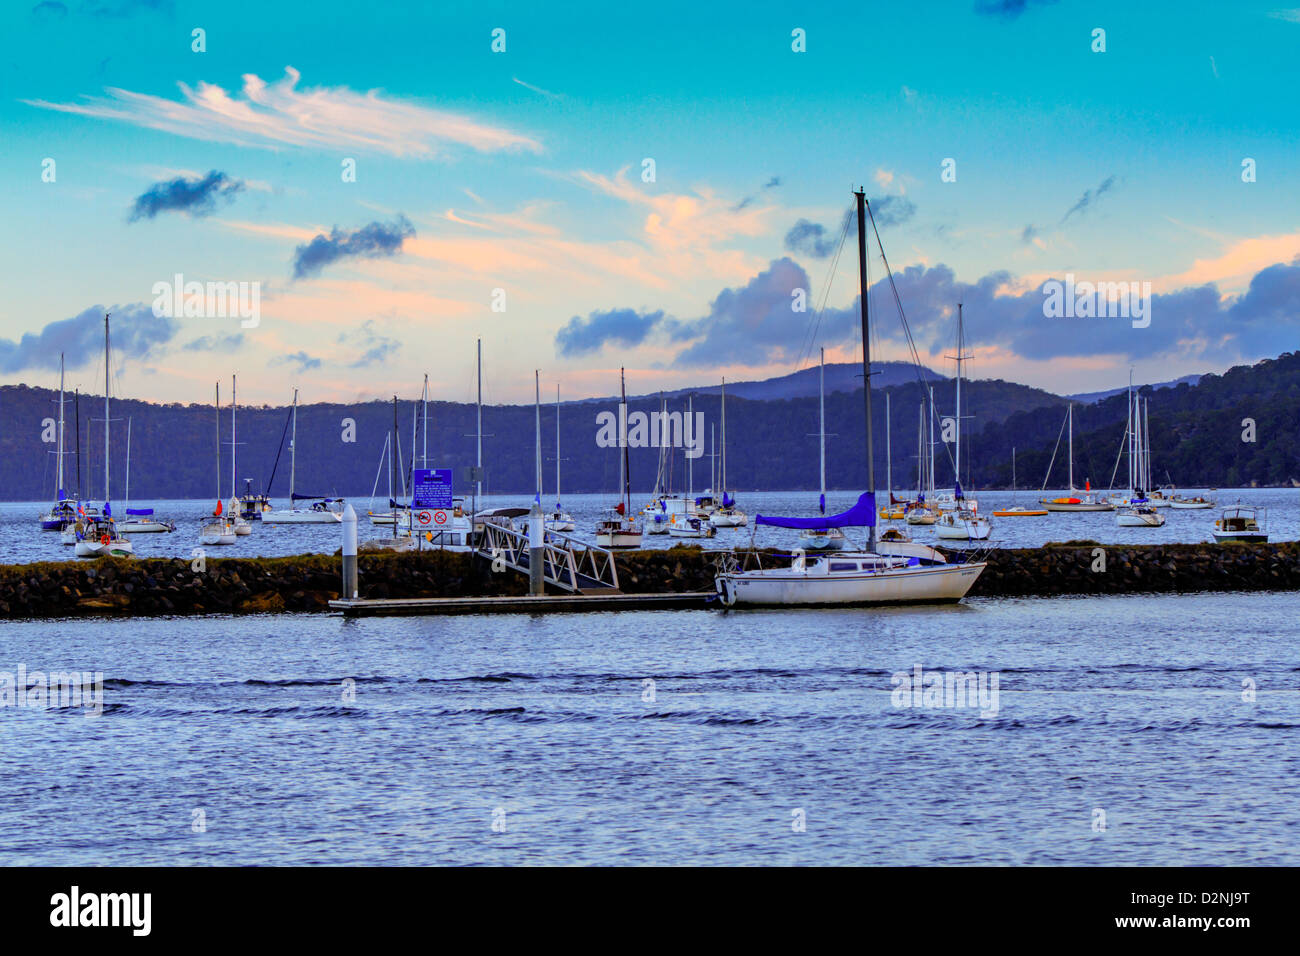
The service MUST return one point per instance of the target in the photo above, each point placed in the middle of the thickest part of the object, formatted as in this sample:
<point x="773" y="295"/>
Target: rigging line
<point x="1051" y="464"/>
<point x="907" y="329"/>
<point x="810" y="339"/>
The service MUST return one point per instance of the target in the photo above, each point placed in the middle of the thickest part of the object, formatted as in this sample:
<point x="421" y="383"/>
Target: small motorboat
<point x="1018" y="511"/>
<point x="217" y="531"/>
<point x="920" y="515"/>
<point x="1141" y="515"/>
<point x="1241" y="525"/>
<point x="692" y="527"/>
<point x="963" y="525"/>
<point x="1196" y="502"/>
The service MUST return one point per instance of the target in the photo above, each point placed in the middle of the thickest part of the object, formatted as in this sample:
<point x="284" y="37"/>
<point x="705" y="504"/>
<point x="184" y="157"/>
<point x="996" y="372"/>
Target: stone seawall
<point x="309" y="582"/>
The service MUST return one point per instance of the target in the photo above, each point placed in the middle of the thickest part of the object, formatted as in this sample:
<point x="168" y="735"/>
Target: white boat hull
<point x="302" y="517"/>
<point x="1191" y="505"/>
<point x="920" y="516"/>
<point x="728" y="519"/>
<point x="144" y="527"/>
<point x="790" y="587"/>
<point x="1240" y="537"/>
<point x="953" y="528"/>
<point x="1127" y="520"/>
<point x="618" y="539"/>
<point x="831" y="539"/>
<point x="97" y="549"/>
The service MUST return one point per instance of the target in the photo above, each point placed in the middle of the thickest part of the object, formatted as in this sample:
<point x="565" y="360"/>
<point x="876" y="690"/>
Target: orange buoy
<point x="104" y="539"/>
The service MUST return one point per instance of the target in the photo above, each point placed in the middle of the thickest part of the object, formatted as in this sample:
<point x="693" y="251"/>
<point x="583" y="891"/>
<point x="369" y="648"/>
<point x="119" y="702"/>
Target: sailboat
<point x="964" y="522"/>
<point x="849" y="577"/>
<point x="1140" y="512"/>
<point x="321" y="510"/>
<point x="1074" y="500"/>
<point x="827" y="538"/>
<point x="1018" y="511"/>
<point x="234" y="511"/>
<point x="217" y="529"/>
<point x="559" y="519"/>
<point x="64" y="511"/>
<point x="97" y="535"/>
<point x="139" y="520"/>
<point x="618" y="529"/>
<point x="664" y="506"/>
<point x="726" y="515"/>
<point x="918" y="512"/>
<point x="68" y="535"/>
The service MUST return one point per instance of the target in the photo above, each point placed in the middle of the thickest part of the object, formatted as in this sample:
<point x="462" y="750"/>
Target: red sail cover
<point x="217" y="511"/>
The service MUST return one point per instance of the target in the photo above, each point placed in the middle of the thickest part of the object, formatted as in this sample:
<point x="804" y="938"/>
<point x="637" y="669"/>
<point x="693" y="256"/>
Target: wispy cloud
<point x="280" y="114"/>
<point x="1089" y="197"/>
<point x="300" y="360"/>
<point x="372" y="241"/>
<point x="537" y="89"/>
<point x="1291" y="16"/>
<point x="193" y="196"/>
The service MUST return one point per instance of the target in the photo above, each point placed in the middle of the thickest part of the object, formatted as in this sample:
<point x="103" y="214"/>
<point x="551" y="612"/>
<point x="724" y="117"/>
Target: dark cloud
<point x="372" y="241"/>
<point x="1089" y="197"/>
<point x="810" y="238"/>
<point x="1007" y="9"/>
<point x="301" y="359"/>
<point x="195" y="197"/>
<point x="615" y="327"/>
<point x="755" y="325"/>
<point x="215" y="343"/>
<point x="770" y="184"/>
<point x="892" y="210"/>
<point x="1029" y="235"/>
<point x="137" y="332"/>
<point x="373" y="346"/>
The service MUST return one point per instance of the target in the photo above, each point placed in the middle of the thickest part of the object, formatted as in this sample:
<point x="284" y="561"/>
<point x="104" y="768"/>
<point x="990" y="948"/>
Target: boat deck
<point x="524" y="604"/>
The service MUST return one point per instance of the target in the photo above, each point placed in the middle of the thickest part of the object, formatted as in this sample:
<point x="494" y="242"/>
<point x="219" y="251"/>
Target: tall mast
<point x="920" y="448"/>
<point x="217" y="433"/>
<point x="889" y="454"/>
<point x="59" y="497"/>
<point x="1069" y="414"/>
<point x="722" y="482"/>
<point x="957" y="428"/>
<point x="1132" y="476"/>
<point x="866" y="356"/>
<point x="627" y="476"/>
<point x="821" y="418"/>
<point x="929" y="473"/>
<point x="76" y="413"/>
<point x="713" y="454"/>
<point x="392" y="468"/>
<point x="478" y="456"/>
<point x="126" y="499"/>
<point x="537" y="398"/>
<point x="557" y="448"/>
<point x="293" y="451"/>
<point x="690" y="462"/>
<point x="424" y="450"/>
<point x="232" y="438"/>
<point x="106" y="314"/>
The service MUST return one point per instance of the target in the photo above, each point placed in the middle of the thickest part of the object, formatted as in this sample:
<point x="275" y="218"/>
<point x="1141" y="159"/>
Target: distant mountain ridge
<point x="1089" y="397"/>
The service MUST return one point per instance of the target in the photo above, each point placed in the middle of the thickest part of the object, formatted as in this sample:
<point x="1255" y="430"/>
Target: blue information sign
<point x="432" y="488"/>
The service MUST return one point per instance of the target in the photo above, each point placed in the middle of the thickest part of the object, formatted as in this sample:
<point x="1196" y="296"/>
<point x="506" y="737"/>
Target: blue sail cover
<point x="956" y="492"/>
<point x="821" y="503"/>
<point x="298" y="497"/>
<point x="139" y="511"/>
<point x="861" y="515"/>
<point x="728" y="501"/>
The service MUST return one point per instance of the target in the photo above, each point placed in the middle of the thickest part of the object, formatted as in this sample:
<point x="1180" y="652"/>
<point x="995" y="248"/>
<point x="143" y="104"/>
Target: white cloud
<point x="280" y="114"/>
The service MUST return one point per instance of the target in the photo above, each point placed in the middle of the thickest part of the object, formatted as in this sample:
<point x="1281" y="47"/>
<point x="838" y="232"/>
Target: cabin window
<point x="844" y="566"/>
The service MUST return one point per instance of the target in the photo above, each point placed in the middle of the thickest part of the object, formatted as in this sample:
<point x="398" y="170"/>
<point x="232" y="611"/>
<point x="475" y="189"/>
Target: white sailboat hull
<point x="955" y="528"/>
<point x="302" y="517"/>
<point x="728" y="518"/>
<point x="145" y="527"/>
<point x="905" y="585"/>
<point x="1126" y="519"/>
<point x="97" y="549"/>
<point x="618" y="539"/>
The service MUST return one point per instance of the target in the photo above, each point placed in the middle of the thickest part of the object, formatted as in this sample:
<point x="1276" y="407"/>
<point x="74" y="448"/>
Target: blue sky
<point x="522" y="171"/>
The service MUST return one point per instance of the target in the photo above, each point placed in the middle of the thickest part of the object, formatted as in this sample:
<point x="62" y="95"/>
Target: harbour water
<point x="21" y="541"/>
<point x="1124" y="732"/>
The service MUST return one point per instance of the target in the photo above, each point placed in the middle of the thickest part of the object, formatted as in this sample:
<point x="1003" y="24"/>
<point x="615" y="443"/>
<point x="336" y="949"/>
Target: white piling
<point x="349" y="554"/>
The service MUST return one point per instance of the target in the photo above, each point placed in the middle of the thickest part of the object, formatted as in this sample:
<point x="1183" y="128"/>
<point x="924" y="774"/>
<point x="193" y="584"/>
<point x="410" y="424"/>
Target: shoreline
<point x="307" y="583"/>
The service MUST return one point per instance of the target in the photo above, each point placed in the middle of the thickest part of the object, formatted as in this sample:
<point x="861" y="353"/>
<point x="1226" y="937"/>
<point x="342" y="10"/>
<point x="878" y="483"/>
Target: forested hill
<point x="1196" y="438"/>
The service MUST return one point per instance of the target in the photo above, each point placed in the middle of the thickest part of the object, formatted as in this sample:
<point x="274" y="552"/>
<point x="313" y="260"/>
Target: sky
<point x="645" y="186"/>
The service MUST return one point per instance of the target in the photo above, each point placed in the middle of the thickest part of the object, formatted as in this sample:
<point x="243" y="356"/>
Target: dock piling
<point x="536" y="551"/>
<point x="349" y="554"/>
